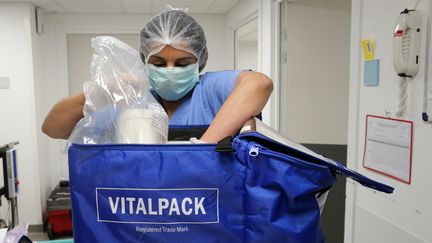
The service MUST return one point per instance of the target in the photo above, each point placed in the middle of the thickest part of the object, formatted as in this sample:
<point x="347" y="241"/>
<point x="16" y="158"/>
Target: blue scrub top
<point x="200" y="106"/>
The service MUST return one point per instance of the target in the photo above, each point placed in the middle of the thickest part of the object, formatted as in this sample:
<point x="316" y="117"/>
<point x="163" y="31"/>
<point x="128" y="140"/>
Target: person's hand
<point x="249" y="126"/>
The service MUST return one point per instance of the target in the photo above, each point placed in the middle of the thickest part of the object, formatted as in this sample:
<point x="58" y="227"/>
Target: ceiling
<point x="131" y="6"/>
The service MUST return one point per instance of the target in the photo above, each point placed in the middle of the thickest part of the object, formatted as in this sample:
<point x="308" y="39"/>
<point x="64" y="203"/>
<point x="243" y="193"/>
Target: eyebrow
<point x="157" y="57"/>
<point x="186" y="59"/>
<point x="180" y="59"/>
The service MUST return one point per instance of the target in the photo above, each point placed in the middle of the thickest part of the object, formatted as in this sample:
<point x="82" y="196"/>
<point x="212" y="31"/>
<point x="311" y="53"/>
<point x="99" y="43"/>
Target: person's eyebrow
<point x="157" y="57"/>
<point x="186" y="59"/>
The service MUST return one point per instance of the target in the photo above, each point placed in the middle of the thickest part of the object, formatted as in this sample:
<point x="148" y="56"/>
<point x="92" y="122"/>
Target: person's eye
<point x="159" y="64"/>
<point x="182" y="64"/>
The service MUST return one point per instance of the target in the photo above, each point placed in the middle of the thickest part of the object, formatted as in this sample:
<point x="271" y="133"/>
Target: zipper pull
<point x="254" y="151"/>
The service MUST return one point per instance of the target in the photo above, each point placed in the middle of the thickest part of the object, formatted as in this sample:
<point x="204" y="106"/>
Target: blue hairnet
<point x="177" y="29"/>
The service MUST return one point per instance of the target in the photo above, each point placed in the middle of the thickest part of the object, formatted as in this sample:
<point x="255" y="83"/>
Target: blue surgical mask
<point x="172" y="83"/>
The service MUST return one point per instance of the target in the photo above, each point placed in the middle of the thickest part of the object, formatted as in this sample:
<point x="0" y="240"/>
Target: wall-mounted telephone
<point x="406" y="51"/>
<point x="406" y="43"/>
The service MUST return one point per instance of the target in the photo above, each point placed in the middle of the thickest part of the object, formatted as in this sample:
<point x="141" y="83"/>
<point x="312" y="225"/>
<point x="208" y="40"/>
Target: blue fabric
<point x="201" y="105"/>
<point x="191" y="193"/>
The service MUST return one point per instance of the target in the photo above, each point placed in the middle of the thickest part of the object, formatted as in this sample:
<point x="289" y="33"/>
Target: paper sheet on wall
<point x="388" y="147"/>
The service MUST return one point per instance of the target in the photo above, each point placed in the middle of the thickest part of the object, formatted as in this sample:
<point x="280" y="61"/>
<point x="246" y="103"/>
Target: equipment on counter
<point x="8" y="157"/>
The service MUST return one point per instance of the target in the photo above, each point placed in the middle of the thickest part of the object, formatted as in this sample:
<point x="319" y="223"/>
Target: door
<point x="314" y="77"/>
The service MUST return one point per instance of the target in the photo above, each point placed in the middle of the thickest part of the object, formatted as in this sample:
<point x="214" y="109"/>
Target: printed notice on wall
<point x="388" y="147"/>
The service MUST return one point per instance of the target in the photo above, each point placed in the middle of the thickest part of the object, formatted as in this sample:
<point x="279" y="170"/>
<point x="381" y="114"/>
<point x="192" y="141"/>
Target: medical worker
<point x="173" y="49"/>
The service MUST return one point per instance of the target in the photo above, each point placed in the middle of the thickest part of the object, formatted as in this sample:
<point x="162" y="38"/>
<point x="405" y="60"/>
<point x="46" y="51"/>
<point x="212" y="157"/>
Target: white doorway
<point x="246" y="46"/>
<point x="314" y="70"/>
<point x="314" y="77"/>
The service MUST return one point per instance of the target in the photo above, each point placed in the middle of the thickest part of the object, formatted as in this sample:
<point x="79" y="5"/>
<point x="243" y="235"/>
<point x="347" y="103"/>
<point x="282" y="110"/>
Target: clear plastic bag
<point x="16" y="234"/>
<point x="119" y="108"/>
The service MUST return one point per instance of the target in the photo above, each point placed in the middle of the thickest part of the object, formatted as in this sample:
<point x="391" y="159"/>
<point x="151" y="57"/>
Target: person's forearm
<point x="62" y="118"/>
<point x="245" y="102"/>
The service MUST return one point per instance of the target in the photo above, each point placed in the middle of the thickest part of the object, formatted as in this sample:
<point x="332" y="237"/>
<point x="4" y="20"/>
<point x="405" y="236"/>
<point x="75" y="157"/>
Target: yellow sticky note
<point x="368" y="46"/>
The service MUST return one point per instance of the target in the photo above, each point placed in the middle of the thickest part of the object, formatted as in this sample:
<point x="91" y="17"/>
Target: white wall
<point x="405" y="215"/>
<point x="17" y="104"/>
<point x="314" y="98"/>
<point x="247" y="55"/>
<point x="80" y="55"/>
<point x="50" y="151"/>
<point x="244" y="12"/>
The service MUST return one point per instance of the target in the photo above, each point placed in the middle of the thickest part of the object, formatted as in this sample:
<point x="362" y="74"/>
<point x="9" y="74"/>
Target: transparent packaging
<point x="119" y="108"/>
<point x="17" y="234"/>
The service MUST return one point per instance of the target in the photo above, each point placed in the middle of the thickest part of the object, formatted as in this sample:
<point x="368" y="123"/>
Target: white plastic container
<point x="142" y="126"/>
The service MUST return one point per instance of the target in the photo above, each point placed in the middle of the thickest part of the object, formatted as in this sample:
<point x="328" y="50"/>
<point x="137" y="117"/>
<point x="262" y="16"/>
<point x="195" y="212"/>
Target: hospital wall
<point x="19" y="116"/>
<point x="247" y="57"/>
<point x="405" y="215"/>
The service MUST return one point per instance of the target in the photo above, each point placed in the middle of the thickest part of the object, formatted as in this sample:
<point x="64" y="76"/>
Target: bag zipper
<point x="147" y="147"/>
<point x="254" y="150"/>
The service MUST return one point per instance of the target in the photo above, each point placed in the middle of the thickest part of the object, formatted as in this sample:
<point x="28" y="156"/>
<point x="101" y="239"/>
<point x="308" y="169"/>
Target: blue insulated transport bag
<point x="253" y="190"/>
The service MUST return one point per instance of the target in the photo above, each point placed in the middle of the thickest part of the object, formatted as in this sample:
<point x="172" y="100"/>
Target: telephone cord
<point x="403" y="96"/>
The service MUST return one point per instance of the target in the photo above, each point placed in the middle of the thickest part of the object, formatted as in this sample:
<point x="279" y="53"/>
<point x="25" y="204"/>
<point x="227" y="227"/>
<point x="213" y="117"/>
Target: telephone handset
<point x="406" y="43"/>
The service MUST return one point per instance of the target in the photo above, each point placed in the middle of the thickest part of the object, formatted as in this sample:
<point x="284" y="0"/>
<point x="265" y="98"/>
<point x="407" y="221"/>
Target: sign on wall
<point x="388" y="147"/>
